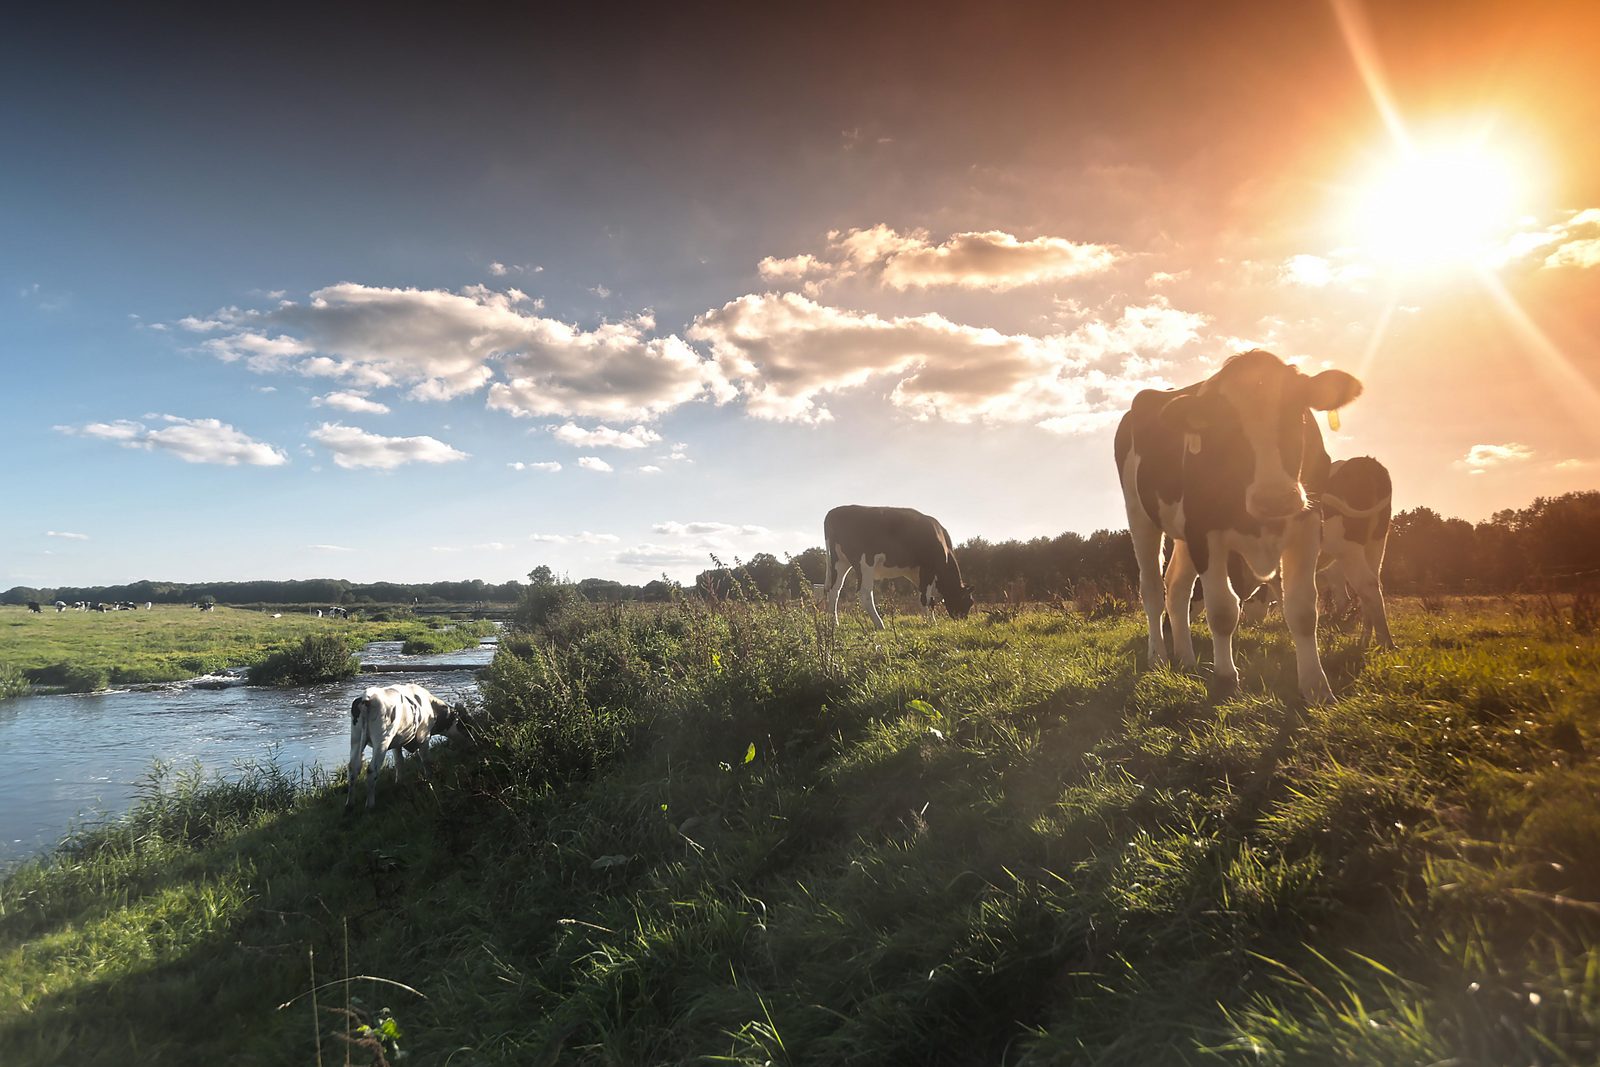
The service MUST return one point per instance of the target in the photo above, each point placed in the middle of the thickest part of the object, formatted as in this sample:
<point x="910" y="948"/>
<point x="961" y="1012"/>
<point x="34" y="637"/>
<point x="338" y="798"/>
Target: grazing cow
<point x="401" y="718"/>
<point x="1224" y="467"/>
<point x="33" y="606"/>
<point x="61" y="605"/>
<point x="892" y="543"/>
<point x="1355" y="505"/>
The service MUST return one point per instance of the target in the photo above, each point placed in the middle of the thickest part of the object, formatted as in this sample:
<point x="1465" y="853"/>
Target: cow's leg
<point x="869" y="603"/>
<point x="1181" y="574"/>
<point x="1147" y="551"/>
<point x="838" y="588"/>
<point x="356" y="745"/>
<point x="1355" y="567"/>
<point x="373" y="768"/>
<point x="1222" y="616"/>
<point x="1302" y="542"/>
<point x="422" y="759"/>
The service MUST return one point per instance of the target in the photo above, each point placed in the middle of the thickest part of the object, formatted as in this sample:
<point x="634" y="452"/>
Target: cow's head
<point x="1248" y="423"/>
<point x="958" y="601"/>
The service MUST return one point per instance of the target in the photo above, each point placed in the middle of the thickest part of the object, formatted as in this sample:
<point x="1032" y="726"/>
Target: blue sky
<point x="287" y="299"/>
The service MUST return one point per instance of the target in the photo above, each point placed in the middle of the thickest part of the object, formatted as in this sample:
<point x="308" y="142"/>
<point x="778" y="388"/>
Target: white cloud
<point x="601" y="291"/>
<point x="650" y="468"/>
<point x="191" y="440"/>
<point x="347" y="401"/>
<point x="605" y="437"/>
<point x="594" y="463"/>
<point x="353" y="448"/>
<point x="698" y="529"/>
<point x="583" y="538"/>
<point x="498" y="269"/>
<point x="329" y="548"/>
<point x="1480" y="458"/>
<point x="1161" y="277"/>
<point x="66" y="535"/>
<point x="445" y="344"/>
<point x="1582" y="254"/>
<point x="991" y="259"/>
<point x="1316" y="272"/>
<point x="651" y="555"/>
<point x="788" y="353"/>
<point x="549" y="467"/>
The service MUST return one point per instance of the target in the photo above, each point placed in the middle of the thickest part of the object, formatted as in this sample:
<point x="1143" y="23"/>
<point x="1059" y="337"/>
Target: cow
<point x="1227" y="467"/>
<point x="892" y="543"/>
<point x="1355" y="506"/>
<point x="400" y="718"/>
<point x="61" y="605"/>
<point x="34" y="608"/>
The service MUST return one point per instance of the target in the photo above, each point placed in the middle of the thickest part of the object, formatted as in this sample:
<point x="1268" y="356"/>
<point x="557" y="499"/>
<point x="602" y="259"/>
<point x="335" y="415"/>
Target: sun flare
<point x="1438" y="206"/>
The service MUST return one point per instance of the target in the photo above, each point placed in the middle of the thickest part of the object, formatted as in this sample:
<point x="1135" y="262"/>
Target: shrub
<point x="13" y="683"/>
<point x="318" y="658"/>
<point x="542" y="603"/>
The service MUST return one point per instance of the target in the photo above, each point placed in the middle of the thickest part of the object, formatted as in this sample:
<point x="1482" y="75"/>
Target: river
<point x="74" y="760"/>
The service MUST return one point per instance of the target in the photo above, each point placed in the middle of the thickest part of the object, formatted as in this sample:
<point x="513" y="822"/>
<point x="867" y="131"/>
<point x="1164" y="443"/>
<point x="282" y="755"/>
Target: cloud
<point x="1576" y="242"/>
<point x="549" y="467"/>
<point x="1161" y="277"/>
<point x="1581" y="254"/>
<point x="1480" y="458"/>
<point x="1316" y="272"/>
<point x="66" y="535"/>
<point x="353" y="448"/>
<point x="652" y="555"/>
<point x="650" y="468"/>
<point x="605" y="437"/>
<point x="329" y="548"/>
<point x="594" y="463"/>
<point x="191" y="440"/>
<point x="583" y="538"/>
<point x="787" y="354"/>
<point x="356" y="402"/>
<point x="498" y="269"/>
<point x="699" y="529"/>
<point x="601" y="291"/>
<point x="990" y="259"/>
<point x="445" y="344"/>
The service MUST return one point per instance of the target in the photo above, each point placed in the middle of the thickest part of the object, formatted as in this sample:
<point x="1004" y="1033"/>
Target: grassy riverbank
<point x="448" y="637"/>
<point x="90" y="650"/>
<point x="732" y="836"/>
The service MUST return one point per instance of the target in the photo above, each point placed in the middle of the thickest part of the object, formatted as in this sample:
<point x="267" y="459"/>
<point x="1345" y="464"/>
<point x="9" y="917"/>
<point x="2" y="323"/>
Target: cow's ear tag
<point x="1191" y="441"/>
<point x="1333" y="420"/>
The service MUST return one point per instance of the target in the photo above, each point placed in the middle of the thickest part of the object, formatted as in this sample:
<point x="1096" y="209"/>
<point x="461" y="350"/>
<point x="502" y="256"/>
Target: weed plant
<point x="733" y="833"/>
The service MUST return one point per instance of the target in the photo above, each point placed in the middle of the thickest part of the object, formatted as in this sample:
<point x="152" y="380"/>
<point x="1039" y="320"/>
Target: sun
<point x="1437" y="206"/>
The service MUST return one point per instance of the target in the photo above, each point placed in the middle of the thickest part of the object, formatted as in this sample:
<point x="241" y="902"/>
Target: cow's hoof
<point x="1317" y="691"/>
<point x="1223" y="686"/>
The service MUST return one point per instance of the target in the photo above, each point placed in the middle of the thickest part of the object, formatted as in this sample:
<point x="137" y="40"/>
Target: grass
<point x="83" y="651"/>
<point x="734" y="835"/>
<point x="448" y="638"/>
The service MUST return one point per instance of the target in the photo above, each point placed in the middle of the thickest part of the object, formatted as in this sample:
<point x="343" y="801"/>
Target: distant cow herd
<point x="1225" y="482"/>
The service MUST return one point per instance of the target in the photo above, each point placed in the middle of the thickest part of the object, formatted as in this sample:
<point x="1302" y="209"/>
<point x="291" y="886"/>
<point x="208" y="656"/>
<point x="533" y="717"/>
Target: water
<point x="73" y="760"/>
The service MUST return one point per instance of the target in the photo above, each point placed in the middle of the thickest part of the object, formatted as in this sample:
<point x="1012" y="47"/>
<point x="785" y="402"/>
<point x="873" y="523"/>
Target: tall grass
<point x="732" y="833"/>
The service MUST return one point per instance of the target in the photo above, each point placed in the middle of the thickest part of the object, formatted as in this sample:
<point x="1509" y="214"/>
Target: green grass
<point x="732" y="835"/>
<point x="448" y="638"/>
<point x="82" y="651"/>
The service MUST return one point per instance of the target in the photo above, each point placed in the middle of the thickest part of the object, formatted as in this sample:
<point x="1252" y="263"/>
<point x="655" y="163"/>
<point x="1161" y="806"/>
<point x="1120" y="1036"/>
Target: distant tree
<point x="542" y="576"/>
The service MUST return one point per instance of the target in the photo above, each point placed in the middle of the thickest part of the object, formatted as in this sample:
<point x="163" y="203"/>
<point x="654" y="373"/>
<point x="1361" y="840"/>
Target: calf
<point x="1355" y="506"/>
<point x="1224" y="467"/>
<point x="400" y="718"/>
<point x="892" y="543"/>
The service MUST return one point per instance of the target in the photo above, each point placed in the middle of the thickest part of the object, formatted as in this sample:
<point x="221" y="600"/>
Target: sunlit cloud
<point x="354" y="449"/>
<point x="445" y="344"/>
<point x="991" y="259"/>
<point x="191" y="440"/>
<point x="697" y="529"/>
<point x="605" y="437"/>
<point x="787" y="354"/>
<point x="67" y="535"/>
<point x="585" y="537"/>
<point x="1480" y="458"/>
<point x="654" y="556"/>
<point x="1317" y="272"/>
<point x="549" y="467"/>
<point x="594" y="463"/>
<point x="329" y="548"/>
<point x="346" y="401"/>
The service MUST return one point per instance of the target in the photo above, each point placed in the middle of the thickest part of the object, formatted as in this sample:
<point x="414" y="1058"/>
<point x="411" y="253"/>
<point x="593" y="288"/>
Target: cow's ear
<point x="1189" y="413"/>
<point x="1331" y="390"/>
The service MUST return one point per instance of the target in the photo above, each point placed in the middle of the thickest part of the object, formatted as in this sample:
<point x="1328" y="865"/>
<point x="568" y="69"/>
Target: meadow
<point x="86" y="650"/>
<point x="733" y="834"/>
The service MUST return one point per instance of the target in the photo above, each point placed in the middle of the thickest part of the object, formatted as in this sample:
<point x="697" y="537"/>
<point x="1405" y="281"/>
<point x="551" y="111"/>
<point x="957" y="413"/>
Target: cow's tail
<point x="830" y="570"/>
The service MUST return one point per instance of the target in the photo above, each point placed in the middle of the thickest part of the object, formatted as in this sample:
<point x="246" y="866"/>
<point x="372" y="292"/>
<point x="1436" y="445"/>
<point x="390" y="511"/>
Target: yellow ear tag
<point x="1333" y="420"/>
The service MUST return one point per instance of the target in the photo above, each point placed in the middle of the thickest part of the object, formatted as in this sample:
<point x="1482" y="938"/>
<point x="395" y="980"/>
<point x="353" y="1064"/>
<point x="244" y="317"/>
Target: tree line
<point x="1552" y="543"/>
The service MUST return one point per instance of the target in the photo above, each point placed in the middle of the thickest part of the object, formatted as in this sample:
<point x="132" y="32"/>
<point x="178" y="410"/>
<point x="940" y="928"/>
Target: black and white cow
<point x="892" y="543"/>
<point x="1356" y="506"/>
<point x="34" y="608"/>
<point x="400" y="718"/>
<point x="1227" y="467"/>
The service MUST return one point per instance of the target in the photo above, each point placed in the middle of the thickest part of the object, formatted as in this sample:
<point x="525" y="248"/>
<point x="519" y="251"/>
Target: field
<point x="731" y="834"/>
<point x="166" y="644"/>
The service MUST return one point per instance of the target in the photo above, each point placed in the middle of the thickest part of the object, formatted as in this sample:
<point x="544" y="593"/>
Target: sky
<point x="375" y="296"/>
